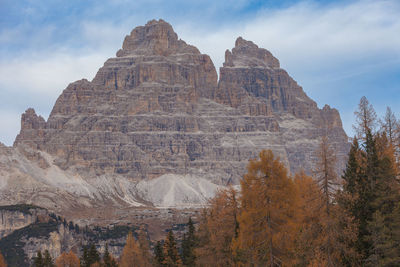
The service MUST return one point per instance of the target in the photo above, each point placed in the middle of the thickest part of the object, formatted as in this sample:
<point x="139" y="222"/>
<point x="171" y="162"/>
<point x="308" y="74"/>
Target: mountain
<point x="156" y="128"/>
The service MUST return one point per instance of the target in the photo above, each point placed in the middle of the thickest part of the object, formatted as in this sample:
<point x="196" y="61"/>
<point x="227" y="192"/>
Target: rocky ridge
<point x="156" y="128"/>
<point x="31" y="228"/>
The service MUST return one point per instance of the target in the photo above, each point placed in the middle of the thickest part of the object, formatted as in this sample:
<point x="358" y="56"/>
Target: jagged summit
<point x="156" y="117"/>
<point x="157" y="37"/>
<point x="247" y="54"/>
<point x="153" y="54"/>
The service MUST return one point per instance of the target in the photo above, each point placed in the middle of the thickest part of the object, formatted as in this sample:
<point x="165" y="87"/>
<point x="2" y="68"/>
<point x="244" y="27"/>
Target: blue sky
<point x="337" y="51"/>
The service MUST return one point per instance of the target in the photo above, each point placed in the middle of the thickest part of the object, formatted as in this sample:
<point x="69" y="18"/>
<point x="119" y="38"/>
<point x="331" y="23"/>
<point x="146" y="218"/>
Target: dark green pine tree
<point x="378" y="237"/>
<point x="349" y="201"/>
<point x="90" y="255"/>
<point x="384" y="226"/>
<point x="352" y="172"/>
<point x="84" y="258"/>
<point x="188" y="245"/>
<point x="48" y="260"/>
<point x="38" y="261"/>
<point x="158" y="254"/>
<point x="93" y="255"/>
<point x="359" y="189"/>
<point x="367" y="193"/>
<point x="171" y="255"/>
<point x="354" y="198"/>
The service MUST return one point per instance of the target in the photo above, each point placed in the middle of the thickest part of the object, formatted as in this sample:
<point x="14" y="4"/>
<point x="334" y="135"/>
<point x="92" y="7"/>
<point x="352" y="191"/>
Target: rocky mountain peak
<point x="30" y="120"/>
<point x="155" y="127"/>
<point x="247" y="54"/>
<point x="157" y="37"/>
<point x="32" y="127"/>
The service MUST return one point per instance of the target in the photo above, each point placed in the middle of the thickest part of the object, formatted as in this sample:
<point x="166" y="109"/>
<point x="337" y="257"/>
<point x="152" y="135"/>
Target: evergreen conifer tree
<point x="47" y="260"/>
<point x="90" y="255"/>
<point x="384" y="225"/>
<point x="107" y="257"/>
<point x="38" y="261"/>
<point x="84" y="257"/>
<point x="188" y="245"/>
<point x="93" y="255"/>
<point x="171" y="255"/>
<point x="158" y="254"/>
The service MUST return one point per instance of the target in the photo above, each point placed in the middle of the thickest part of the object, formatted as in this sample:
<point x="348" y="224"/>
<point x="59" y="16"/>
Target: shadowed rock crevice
<point x="156" y="114"/>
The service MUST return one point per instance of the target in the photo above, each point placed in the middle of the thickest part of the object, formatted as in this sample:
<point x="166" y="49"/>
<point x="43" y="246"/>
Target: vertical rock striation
<point x="157" y="111"/>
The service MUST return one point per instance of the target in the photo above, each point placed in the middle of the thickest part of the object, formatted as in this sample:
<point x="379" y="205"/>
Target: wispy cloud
<point x="329" y="49"/>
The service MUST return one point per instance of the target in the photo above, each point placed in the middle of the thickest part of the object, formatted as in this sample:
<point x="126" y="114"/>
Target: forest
<point x="277" y="219"/>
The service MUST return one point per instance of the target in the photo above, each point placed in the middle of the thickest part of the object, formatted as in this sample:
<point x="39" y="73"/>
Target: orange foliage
<point x="2" y="261"/>
<point x="134" y="254"/>
<point x="308" y="239"/>
<point x="267" y="218"/>
<point x="217" y="229"/>
<point x="67" y="260"/>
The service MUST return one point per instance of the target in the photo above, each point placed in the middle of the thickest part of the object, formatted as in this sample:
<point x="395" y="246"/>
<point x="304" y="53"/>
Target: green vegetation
<point x="12" y="246"/>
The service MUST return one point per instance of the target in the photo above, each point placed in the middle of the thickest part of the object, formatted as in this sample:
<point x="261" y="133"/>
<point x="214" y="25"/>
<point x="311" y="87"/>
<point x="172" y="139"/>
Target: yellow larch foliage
<point x="144" y="248"/>
<point x="267" y="218"/>
<point x="217" y="228"/>
<point x="130" y="253"/>
<point x="135" y="253"/>
<point x="67" y="260"/>
<point x="2" y="261"/>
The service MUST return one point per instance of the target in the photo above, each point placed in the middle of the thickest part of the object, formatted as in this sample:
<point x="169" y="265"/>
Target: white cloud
<point x="47" y="74"/>
<point x="39" y="80"/>
<point x="309" y="35"/>
<point x="317" y="44"/>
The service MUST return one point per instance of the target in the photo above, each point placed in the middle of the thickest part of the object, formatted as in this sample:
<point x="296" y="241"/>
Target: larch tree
<point x="325" y="174"/>
<point x="390" y="126"/>
<point x="267" y="224"/>
<point x="67" y="260"/>
<point x="144" y="248"/>
<point x="131" y="253"/>
<point x="2" y="261"/>
<point x="218" y="227"/>
<point x="309" y="235"/>
<point x="365" y="118"/>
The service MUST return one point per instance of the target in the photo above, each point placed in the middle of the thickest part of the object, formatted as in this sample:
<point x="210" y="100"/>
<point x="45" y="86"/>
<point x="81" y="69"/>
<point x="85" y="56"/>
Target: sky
<point x="338" y="51"/>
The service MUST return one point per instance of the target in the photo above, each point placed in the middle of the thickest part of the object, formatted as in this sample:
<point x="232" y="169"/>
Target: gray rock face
<point x="11" y="220"/>
<point x="157" y="111"/>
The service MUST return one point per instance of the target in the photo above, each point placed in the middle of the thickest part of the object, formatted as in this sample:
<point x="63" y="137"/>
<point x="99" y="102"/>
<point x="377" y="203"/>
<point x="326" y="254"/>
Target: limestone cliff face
<point x="12" y="219"/>
<point x="252" y="81"/>
<point x="62" y="239"/>
<point x="25" y="229"/>
<point x="156" y="114"/>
